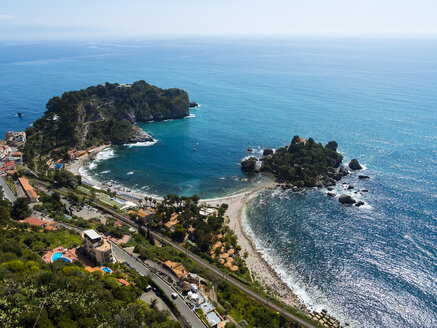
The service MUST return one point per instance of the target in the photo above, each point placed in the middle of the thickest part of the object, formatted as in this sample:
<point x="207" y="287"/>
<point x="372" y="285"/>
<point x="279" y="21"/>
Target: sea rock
<point x="363" y="177"/>
<point x="350" y="187"/>
<point x="249" y="149"/>
<point x="330" y="188"/>
<point x="337" y="177"/>
<point x="192" y="104"/>
<point x="346" y="200"/>
<point x="267" y="151"/>
<point x="365" y="190"/>
<point x="328" y="182"/>
<point x="318" y="184"/>
<point x="355" y="165"/>
<point x="331" y="194"/>
<point x="249" y="165"/>
<point x="343" y="171"/>
<point x="360" y="203"/>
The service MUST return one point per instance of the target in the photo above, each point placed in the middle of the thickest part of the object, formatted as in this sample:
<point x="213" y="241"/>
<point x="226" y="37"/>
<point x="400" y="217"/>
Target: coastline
<point x="260" y="270"/>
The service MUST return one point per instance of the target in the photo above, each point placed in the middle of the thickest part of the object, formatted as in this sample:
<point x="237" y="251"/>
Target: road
<point x="7" y="190"/>
<point x="185" y="310"/>
<point x="206" y="264"/>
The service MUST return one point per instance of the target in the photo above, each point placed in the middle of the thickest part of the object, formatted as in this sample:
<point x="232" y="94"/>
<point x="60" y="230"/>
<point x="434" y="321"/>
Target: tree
<point x="20" y="209"/>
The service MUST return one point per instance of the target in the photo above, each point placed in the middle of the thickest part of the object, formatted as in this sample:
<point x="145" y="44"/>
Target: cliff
<point x="102" y="114"/>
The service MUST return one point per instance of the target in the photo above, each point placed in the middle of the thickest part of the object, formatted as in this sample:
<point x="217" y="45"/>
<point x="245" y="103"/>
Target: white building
<point x="97" y="247"/>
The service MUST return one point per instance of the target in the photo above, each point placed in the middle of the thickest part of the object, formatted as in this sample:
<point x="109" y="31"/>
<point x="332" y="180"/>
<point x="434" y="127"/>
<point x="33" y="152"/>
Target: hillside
<point x="102" y="114"/>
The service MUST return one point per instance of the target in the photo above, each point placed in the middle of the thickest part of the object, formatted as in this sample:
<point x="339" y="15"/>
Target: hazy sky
<point x="80" y="18"/>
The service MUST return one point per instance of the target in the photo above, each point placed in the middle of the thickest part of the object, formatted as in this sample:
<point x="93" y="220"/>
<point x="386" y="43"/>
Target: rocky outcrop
<point x="346" y="200"/>
<point x="343" y="171"/>
<point x="192" y="104"/>
<point x="268" y="151"/>
<point x="360" y="203"/>
<point x="249" y="165"/>
<point x="355" y="165"/>
<point x="138" y="135"/>
<point x="363" y="177"/>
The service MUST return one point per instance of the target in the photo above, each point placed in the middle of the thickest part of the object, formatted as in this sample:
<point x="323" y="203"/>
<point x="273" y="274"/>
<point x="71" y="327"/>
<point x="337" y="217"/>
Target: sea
<point x="372" y="266"/>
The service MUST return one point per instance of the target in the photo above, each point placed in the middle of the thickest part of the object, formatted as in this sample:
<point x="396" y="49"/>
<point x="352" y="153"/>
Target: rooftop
<point x="92" y="234"/>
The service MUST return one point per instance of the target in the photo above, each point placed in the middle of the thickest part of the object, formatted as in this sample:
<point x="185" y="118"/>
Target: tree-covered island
<point x="304" y="163"/>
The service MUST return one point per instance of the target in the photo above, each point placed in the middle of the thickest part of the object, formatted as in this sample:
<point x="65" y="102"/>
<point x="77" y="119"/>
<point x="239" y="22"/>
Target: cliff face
<point x="102" y="114"/>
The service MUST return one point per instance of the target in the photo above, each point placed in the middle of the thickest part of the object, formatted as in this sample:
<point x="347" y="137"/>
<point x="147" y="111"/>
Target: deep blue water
<point x="374" y="266"/>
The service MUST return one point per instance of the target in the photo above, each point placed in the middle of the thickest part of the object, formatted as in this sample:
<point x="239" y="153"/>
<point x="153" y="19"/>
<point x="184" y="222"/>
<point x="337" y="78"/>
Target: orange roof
<point x="16" y="154"/>
<point x="231" y="251"/>
<point x="27" y="187"/>
<point x="50" y="227"/>
<point x="191" y="229"/>
<point x="142" y="214"/>
<point x="170" y="224"/>
<point x="224" y="255"/>
<point x="177" y="268"/>
<point x="222" y="261"/>
<point x="234" y="268"/>
<point x="34" y="221"/>
<point x="123" y="282"/>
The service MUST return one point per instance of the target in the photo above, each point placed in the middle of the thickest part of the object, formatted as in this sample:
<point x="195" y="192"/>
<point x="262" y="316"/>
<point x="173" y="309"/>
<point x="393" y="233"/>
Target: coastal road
<point x="183" y="307"/>
<point x="197" y="259"/>
<point x="212" y="268"/>
<point x="7" y="190"/>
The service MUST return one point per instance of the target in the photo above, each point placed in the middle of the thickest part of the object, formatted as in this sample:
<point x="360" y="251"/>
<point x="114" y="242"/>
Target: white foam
<point x="92" y="166"/>
<point x="190" y="116"/>
<point x="105" y="154"/>
<point x="142" y="144"/>
<point x="130" y="173"/>
<point x="105" y="172"/>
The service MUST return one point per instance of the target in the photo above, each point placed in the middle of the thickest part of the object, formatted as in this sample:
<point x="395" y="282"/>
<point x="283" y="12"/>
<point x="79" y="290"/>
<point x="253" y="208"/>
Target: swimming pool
<point x="58" y="256"/>
<point x="107" y="270"/>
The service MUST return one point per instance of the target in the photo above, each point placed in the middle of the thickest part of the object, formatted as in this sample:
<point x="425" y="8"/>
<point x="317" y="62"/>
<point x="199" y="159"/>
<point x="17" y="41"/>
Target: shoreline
<point x="259" y="268"/>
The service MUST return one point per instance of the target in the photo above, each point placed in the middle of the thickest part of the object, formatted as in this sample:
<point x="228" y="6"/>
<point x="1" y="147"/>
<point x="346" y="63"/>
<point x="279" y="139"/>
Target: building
<point x="47" y="224"/>
<point x="97" y="247"/>
<point x="28" y="190"/>
<point x="15" y="139"/>
<point x="177" y="268"/>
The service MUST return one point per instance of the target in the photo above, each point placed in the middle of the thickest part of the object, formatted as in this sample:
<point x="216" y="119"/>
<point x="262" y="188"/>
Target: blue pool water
<point x="374" y="266"/>
<point x="107" y="270"/>
<point x="58" y="256"/>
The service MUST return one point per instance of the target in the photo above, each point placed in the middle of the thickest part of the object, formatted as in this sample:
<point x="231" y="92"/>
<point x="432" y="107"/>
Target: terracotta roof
<point x="123" y="282"/>
<point x="177" y="268"/>
<point x="234" y="268"/>
<point x="231" y="251"/>
<point x="35" y="221"/>
<point x="170" y="224"/>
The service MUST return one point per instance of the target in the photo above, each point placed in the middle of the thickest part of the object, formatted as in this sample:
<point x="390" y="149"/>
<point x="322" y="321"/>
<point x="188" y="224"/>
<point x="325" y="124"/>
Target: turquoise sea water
<point x="374" y="266"/>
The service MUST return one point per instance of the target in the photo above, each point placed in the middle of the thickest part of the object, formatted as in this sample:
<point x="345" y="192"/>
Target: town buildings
<point x="28" y="190"/>
<point x="15" y="139"/>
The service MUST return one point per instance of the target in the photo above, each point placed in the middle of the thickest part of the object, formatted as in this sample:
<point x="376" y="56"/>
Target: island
<point x="303" y="163"/>
<point x="99" y="115"/>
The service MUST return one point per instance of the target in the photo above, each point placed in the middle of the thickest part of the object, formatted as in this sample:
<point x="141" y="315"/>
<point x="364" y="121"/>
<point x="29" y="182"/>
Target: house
<point x="123" y="282"/>
<point x="49" y="225"/>
<point x="28" y="189"/>
<point x="171" y="224"/>
<point x="207" y="211"/>
<point x="215" y="320"/>
<point x="10" y="165"/>
<point x="97" y="247"/>
<point x="15" y="139"/>
<point x="177" y="268"/>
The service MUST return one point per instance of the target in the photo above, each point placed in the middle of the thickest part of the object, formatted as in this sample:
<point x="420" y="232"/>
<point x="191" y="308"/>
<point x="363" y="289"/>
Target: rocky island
<point x="101" y="114"/>
<point x="304" y="163"/>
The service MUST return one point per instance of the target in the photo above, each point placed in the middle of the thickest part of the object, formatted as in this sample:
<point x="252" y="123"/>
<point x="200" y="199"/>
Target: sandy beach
<point x="259" y="268"/>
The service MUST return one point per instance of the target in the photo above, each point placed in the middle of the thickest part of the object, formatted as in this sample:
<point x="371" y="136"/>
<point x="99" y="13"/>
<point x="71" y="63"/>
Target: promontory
<point x="101" y="114"/>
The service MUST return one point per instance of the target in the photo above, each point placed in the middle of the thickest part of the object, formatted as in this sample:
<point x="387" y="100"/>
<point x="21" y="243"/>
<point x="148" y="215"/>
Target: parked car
<point x="174" y="296"/>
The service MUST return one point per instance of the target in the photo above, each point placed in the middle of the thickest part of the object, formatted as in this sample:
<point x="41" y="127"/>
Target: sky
<point x="205" y="18"/>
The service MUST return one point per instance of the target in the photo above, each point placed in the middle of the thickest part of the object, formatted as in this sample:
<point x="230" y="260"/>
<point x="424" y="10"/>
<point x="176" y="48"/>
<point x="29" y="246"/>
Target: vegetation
<point x="36" y="294"/>
<point x="302" y="162"/>
<point x="20" y="209"/>
<point x="98" y="115"/>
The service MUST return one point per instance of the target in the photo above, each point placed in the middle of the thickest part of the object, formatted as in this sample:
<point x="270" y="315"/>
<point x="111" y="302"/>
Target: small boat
<point x="19" y="114"/>
<point x="194" y="148"/>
